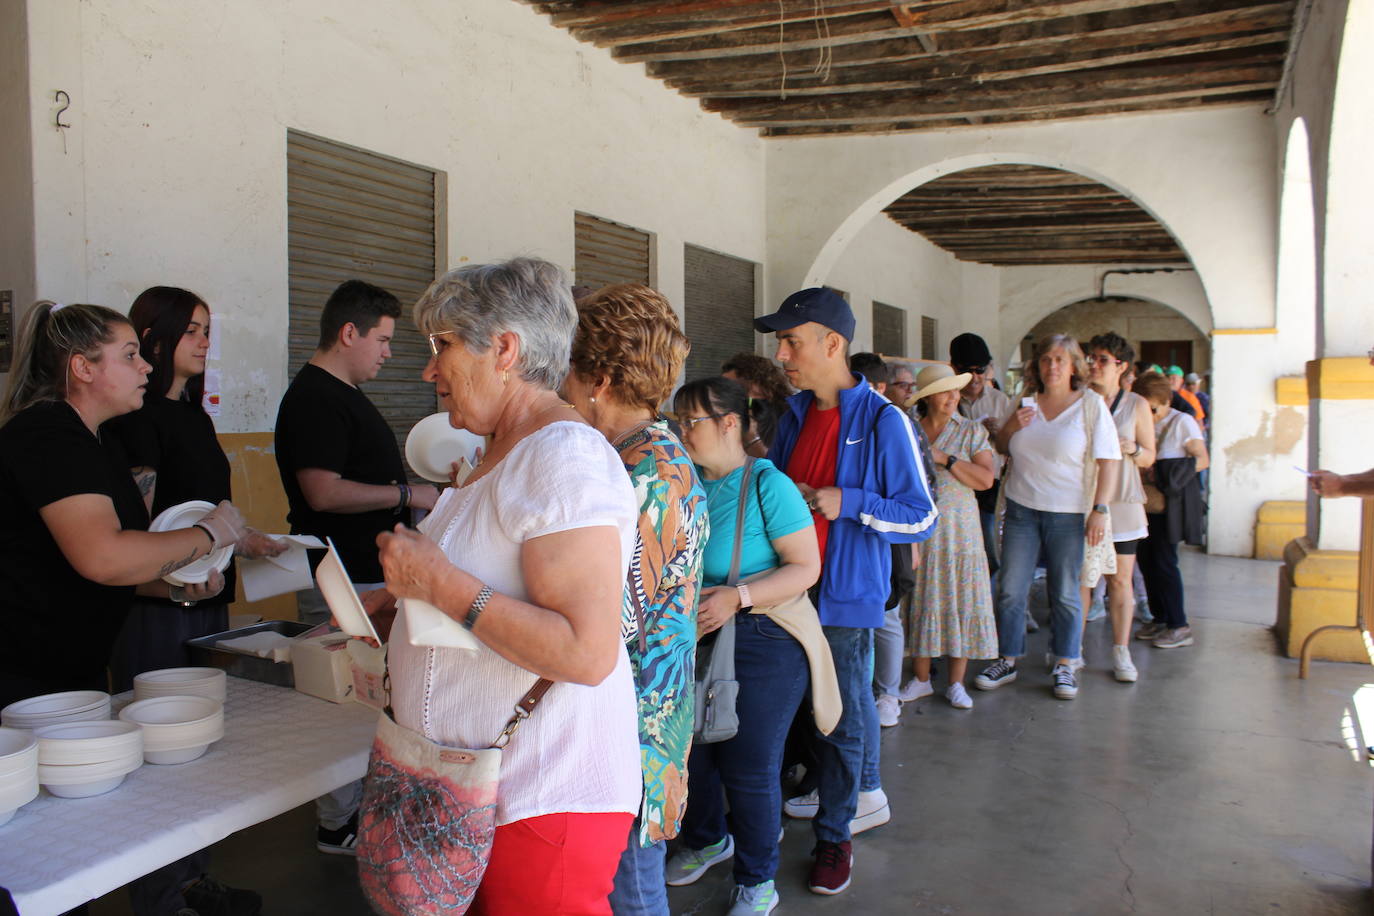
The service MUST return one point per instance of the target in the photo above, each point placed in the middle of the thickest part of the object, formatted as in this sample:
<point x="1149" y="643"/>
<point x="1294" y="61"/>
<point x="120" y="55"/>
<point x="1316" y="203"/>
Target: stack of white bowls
<point x="79" y="759"/>
<point x="56" y="708"/>
<point x="18" y="771"/>
<point x="176" y="729"/>
<point x="181" y="682"/>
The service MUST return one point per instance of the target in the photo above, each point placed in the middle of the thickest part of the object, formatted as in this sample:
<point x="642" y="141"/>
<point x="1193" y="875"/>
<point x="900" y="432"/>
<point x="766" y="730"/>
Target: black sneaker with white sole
<point x="1065" y="682"/>
<point x="1002" y="671"/>
<point x="340" y="842"/>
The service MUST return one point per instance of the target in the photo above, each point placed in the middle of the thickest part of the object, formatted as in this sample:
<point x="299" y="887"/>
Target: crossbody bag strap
<point x="733" y="579"/>
<point x="523" y="710"/>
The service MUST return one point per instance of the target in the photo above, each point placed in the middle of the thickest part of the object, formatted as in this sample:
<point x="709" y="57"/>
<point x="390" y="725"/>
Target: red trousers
<point x="553" y="865"/>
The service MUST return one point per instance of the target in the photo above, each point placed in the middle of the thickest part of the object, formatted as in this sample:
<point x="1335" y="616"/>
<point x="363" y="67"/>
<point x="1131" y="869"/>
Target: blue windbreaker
<point x="886" y="500"/>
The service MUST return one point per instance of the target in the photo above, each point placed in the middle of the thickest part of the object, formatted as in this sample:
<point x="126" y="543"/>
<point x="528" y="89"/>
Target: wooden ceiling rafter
<point x="1027" y="214"/>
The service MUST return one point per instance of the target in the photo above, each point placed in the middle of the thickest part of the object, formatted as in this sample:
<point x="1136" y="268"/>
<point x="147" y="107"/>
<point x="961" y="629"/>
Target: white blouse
<point x="579" y="751"/>
<point x="1047" y="457"/>
<point x="1174" y="432"/>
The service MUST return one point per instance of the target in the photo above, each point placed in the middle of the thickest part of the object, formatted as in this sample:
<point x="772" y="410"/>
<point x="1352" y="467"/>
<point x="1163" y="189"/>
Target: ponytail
<point x="44" y="345"/>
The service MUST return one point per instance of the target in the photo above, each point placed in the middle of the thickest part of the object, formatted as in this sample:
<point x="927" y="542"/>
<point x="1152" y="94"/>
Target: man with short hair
<point x="980" y="400"/>
<point x="1183" y="400"/>
<point x="857" y="463"/>
<point x="343" y="475"/>
<point x="1192" y="383"/>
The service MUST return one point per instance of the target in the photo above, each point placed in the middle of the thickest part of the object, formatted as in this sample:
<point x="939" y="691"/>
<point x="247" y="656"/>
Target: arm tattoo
<point x="177" y="564"/>
<point x="146" y="480"/>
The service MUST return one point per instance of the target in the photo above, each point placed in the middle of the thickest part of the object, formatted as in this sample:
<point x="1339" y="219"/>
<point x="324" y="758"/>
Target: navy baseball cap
<point x="818" y="304"/>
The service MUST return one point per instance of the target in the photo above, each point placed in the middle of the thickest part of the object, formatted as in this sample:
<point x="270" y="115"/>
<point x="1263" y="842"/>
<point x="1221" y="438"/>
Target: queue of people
<point x="811" y="525"/>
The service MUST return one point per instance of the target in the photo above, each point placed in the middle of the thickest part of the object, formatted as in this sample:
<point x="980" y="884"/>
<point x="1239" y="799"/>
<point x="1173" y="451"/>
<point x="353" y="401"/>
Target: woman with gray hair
<point x="529" y="553"/>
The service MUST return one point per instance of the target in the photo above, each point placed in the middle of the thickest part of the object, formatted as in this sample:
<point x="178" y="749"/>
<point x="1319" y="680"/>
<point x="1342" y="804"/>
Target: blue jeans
<point x="1024" y="533"/>
<point x="773" y="675"/>
<point x="639" y="889"/>
<point x="848" y="756"/>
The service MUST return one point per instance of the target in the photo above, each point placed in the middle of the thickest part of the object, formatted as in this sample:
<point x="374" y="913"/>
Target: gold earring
<point x="505" y="377"/>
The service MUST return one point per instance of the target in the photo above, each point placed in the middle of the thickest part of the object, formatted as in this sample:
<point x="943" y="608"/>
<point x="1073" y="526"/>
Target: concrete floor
<point x="1219" y="783"/>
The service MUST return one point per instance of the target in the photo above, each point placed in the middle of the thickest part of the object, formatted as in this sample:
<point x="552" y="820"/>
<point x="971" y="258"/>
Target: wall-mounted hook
<point x="65" y="100"/>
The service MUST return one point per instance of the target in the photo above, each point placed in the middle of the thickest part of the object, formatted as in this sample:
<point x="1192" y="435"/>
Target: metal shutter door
<point x="357" y="215"/>
<point x="927" y="337"/>
<point x="607" y="252"/>
<point x="889" y="330"/>
<point x="719" y="308"/>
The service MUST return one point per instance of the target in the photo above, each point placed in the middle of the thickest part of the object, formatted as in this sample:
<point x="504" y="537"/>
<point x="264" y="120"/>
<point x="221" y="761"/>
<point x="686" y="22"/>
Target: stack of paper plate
<point x="18" y="771"/>
<point x="176" y="729"/>
<point x="79" y="759"/>
<point x="181" y="682"/>
<point x="184" y="515"/>
<point x="56" y="708"/>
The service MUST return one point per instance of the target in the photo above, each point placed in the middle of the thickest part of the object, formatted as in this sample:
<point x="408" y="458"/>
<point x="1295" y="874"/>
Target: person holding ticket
<point x="530" y="554"/>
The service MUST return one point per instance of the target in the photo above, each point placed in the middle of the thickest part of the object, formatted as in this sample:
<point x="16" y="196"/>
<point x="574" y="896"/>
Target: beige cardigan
<point x="799" y="618"/>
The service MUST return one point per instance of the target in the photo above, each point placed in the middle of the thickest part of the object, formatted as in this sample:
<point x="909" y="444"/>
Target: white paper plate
<point x="184" y="515"/>
<point x="52" y="708"/>
<point x="432" y="445"/>
<point x="343" y="600"/>
<point x="87" y="742"/>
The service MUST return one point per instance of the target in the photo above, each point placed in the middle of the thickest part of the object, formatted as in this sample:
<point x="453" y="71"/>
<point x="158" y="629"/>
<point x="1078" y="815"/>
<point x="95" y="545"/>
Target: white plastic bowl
<point x="176" y="724"/>
<point x="184" y="515"/>
<point x="52" y="708"/>
<point x="85" y="789"/>
<point x="87" y="742"/>
<point x="183" y="755"/>
<point x="18" y="753"/>
<point x="432" y="445"/>
<point x="183" y="682"/>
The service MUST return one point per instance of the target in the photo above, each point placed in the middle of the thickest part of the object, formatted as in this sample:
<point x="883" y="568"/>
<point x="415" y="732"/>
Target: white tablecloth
<point x="280" y="749"/>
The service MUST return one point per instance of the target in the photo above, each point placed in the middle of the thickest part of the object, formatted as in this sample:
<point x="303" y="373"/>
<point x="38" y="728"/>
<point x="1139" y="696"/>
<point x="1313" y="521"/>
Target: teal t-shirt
<point x="783" y="512"/>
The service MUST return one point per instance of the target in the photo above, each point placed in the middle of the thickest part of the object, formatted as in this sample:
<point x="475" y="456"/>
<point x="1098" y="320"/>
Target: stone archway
<point x="1133" y="317"/>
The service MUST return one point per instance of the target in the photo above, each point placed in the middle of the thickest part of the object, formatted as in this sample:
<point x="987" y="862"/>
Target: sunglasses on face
<point x="976" y="370"/>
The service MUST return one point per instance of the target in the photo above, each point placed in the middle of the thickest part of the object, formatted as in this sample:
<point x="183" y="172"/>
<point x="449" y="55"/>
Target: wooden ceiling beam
<point x="649" y="11"/>
<point x="898" y="125"/>
<point x="741" y="55"/>
<point x="1136" y="85"/>
<point x="1067" y="221"/>
<point x="981" y="14"/>
<point x="803" y="13"/>
<point x="852" y="80"/>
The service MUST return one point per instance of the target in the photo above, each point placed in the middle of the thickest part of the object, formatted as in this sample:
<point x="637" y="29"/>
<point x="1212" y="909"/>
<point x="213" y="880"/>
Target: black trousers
<point x="1158" y="560"/>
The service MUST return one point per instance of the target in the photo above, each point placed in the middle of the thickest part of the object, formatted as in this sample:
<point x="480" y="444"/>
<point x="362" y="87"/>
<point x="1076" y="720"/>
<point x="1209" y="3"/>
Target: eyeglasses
<point x="435" y="344"/>
<point x="906" y="385"/>
<point x="691" y="422"/>
<point x="1100" y="360"/>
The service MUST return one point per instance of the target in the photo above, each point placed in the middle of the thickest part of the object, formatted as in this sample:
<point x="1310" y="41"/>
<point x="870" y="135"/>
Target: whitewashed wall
<point x="897" y="267"/>
<point x="176" y="166"/>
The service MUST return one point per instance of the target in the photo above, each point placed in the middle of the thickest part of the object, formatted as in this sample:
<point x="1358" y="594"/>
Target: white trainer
<point x="872" y="811"/>
<point x="958" y="697"/>
<point x="803" y="807"/>
<point x="889" y="710"/>
<point x="1122" y="666"/>
<point x="914" y="690"/>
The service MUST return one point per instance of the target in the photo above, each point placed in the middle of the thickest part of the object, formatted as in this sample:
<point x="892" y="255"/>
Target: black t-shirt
<point x="326" y="423"/>
<point x="177" y="439"/>
<point x="56" y="628"/>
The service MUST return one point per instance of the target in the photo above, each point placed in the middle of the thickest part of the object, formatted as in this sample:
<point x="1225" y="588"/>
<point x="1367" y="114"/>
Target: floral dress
<point x="661" y="590"/>
<point x="951" y="604"/>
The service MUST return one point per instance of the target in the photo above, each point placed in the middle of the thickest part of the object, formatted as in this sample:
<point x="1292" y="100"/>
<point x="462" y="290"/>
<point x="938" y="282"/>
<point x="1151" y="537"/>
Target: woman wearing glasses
<point x="780" y="560"/>
<point x="1109" y="358"/>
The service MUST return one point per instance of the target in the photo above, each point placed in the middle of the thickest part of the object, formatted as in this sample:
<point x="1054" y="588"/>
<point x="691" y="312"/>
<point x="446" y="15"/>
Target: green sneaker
<point x="690" y="864"/>
<point x="759" y="900"/>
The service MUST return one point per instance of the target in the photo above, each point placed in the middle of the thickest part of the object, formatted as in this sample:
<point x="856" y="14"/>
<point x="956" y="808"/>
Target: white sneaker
<point x="803" y="807"/>
<point x="889" y="710"/>
<point x="1122" y="666"/>
<point x="958" y="697"/>
<point x="915" y="690"/>
<point x="872" y="811"/>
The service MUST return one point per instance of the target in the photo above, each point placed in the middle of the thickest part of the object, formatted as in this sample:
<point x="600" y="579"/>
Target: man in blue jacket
<point x="855" y="458"/>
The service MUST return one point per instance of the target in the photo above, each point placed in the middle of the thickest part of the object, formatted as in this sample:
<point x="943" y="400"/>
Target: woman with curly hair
<point x="768" y="393"/>
<point x="626" y="355"/>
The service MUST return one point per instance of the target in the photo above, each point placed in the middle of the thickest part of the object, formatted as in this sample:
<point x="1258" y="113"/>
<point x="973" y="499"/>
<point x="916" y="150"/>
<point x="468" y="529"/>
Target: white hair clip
<point x="57" y="307"/>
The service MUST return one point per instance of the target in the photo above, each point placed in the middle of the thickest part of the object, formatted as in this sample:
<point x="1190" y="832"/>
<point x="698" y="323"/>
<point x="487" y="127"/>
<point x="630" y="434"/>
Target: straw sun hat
<point x="935" y="379"/>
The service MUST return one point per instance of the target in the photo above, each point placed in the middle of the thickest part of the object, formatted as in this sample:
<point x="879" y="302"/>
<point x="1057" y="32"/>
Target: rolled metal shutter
<point x="355" y="215"/>
<point x="607" y="252"/>
<point x="889" y="330"/>
<point x="719" y="308"/>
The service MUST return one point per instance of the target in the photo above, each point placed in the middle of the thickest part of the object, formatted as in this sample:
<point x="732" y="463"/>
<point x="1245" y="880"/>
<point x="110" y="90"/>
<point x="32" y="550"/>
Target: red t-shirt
<point x="814" y="457"/>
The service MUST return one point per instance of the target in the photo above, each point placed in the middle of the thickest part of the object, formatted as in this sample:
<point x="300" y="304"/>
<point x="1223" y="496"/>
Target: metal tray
<point x="240" y="664"/>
